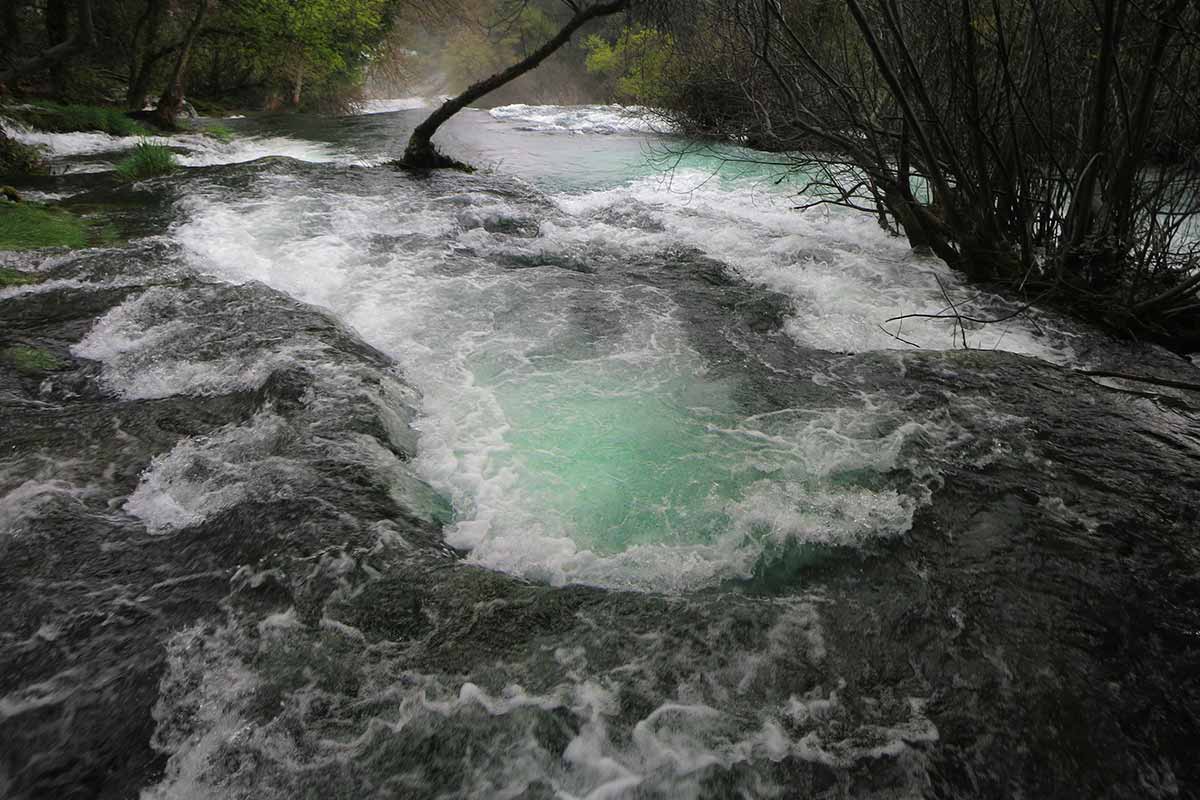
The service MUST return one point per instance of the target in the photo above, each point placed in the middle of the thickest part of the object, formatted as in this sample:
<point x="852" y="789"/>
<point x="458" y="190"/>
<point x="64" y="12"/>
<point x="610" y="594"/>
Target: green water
<point x="621" y="456"/>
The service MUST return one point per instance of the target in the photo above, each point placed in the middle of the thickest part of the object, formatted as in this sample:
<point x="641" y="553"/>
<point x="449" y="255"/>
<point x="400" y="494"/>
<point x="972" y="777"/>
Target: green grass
<point x="217" y="131"/>
<point x="31" y="359"/>
<point x="65" y="118"/>
<point x="212" y="108"/>
<point x="24" y="226"/>
<point x="147" y="161"/>
<point x="15" y="277"/>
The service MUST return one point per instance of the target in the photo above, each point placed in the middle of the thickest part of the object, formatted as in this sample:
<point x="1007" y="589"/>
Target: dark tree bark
<point x="142" y="59"/>
<point x="172" y="99"/>
<point x="58" y="29"/>
<point x="420" y="152"/>
<point x="84" y="38"/>
<point x="10" y="37"/>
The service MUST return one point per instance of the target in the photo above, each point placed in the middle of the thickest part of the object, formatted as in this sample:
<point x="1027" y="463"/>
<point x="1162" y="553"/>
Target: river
<point x="575" y="477"/>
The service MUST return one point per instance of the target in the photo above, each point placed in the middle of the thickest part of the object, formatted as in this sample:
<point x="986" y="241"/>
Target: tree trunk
<point x="83" y="39"/>
<point x="172" y="99"/>
<point x="58" y="29"/>
<point x="420" y="152"/>
<point x="142" y="67"/>
<point x="1093" y="142"/>
<point x="297" y="86"/>
<point x="10" y="39"/>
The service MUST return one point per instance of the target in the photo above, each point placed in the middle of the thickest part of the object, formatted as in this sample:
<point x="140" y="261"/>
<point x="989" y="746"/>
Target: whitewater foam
<point x="159" y="344"/>
<point x="578" y="737"/>
<point x="568" y="419"/>
<point x="205" y="475"/>
<point x="192" y="149"/>
<point x="582" y="119"/>
<point x="846" y="276"/>
<point x="389" y="105"/>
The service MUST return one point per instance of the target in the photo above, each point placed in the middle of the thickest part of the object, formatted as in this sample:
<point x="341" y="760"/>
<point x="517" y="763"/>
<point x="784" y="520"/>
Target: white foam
<point x="68" y="144"/>
<point x="846" y="276"/>
<point x="582" y="119"/>
<point x="27" y="500"/>
<point x="605" y="459"/>
<point x="212" y="688"/>
<point x="386" y="106"/>
<point x="704" y="720"/>
<point x="148" y="346"/>
<point x="204" y="151"/>
<point x="198" y="149"/>
<point x="205" y="475"/>
<point x="598" y="451"/>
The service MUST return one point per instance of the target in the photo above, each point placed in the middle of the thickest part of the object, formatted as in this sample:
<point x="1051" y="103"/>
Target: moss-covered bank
<point x="19" y="159"/>
<point x="25" y="226"/>
<point x="15" y="277"/>
<point x="30" y="359"/>
<point x="67" y="118"/>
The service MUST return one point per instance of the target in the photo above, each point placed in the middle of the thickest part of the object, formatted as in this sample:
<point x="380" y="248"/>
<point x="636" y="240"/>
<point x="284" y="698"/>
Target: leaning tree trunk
<point x="172" y="99"/>
<point x="420" y="152"/>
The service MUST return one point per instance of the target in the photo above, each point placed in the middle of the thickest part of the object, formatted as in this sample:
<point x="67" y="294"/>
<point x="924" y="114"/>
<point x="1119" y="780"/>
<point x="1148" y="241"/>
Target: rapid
<point x="575" y="477"/>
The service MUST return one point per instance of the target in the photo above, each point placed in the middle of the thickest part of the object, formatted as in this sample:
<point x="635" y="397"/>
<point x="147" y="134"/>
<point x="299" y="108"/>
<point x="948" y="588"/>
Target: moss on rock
<point x="15" y="277"/>
<point x="147" y="161"/>
<point x="19" y="159"/>
<point x="67" y="118"/>
<point x="31" y="359"/>
<point x="24" y="226"/>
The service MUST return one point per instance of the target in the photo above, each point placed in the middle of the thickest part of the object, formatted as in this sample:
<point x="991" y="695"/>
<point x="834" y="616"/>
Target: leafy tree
<point x="636" y="67"/>
<point x="317" y="43"/>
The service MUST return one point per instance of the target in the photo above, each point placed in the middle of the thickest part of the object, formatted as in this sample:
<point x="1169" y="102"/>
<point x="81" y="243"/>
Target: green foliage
<point x="217" y="131"/>
<point x="471" y="54"/>
<point x="302" y="49"/>
<point x="62" y="118"/>
<point x="147" y="160"/>
<point x="209" y="107"/>
<point x="24" y="226"/>
<point x="84" y="83"/>
<point x="15" y="277"/>
<point x="19" y="159"/>
<point x="636" y="67"/>
<point x="31" y="359"/>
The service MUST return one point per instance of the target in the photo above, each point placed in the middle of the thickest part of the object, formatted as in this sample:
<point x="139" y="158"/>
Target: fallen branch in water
<point x="959" y="317"/>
